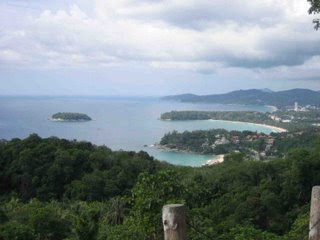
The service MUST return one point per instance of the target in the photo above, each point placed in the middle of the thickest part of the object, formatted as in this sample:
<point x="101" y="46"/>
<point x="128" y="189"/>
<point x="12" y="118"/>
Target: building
<point x="296" y="107"/>
<point x="222" y="141"/>
<point x="275" y="118"/>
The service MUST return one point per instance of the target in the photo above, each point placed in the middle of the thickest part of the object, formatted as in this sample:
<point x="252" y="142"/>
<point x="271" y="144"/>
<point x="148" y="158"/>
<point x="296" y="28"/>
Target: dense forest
<point x="59" y="189"/>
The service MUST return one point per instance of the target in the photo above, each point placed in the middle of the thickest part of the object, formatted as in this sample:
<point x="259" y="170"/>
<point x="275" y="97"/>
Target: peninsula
<point x="255" y="145"/>
<point x="70" y="117"/>
<point x="251" y="117"/>
<point x="280" y="121"/>
<point x="281" y="99"/>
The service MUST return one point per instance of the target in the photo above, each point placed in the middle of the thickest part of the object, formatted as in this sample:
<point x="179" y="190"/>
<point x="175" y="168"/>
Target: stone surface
<point x="314" y="226"/>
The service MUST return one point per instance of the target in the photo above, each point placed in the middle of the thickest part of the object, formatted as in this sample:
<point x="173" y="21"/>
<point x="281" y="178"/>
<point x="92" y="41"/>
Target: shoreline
<point x="64" y="120"/>
<point x="214" y="159"/>
<point x="273" y="128"/>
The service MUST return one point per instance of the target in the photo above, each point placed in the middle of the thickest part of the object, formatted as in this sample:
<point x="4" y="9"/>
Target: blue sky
<point x="155" y="47"/>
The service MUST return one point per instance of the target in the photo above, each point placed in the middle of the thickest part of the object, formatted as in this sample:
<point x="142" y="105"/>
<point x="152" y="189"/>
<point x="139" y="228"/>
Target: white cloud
<point x="196" y="35"/>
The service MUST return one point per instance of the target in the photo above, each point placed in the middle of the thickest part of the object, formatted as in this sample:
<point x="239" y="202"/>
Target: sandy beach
<point x="273" y="128"/>
<point x="216" y="160"/>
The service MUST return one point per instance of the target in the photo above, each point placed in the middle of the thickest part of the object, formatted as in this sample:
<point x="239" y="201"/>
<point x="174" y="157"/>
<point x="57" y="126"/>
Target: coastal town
<point x="297" y="113"/>
<point x="287" y="125"/>
<point x="219" y="142"/>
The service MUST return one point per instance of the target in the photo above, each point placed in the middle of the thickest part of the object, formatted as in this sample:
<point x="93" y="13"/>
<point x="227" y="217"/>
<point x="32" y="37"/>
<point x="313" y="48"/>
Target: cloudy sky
<point x="156" y="47"/>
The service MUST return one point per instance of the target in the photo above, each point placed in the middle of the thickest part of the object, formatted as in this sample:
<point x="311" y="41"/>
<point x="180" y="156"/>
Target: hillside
<point x="57" y="189"/>
<point x="279" y="99"/>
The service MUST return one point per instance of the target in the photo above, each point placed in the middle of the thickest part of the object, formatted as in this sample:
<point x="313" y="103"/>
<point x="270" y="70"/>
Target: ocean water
<point x="118" y="122"/>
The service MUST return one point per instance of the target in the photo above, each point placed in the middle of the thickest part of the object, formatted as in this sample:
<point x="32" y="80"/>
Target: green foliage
<point x="3" y="217"/>
<point x="315" y="6"/>
<point x="122" y="193"/>
<point x="86" y="219"/>
<point x="116" y="212"/>
<point x="242" y="116"/>
<point x="220" y="141"/>
<point x="47" y="223"/>
<point x="206" y="141"/>
<point x="250" y="233"/>
<point x="300" y="227"/>
<point x="127" y="231"/>
<point x="46" y="220"/>
<point x="55" y="168"/>
<point x="150" y="194"/>
<point x="16" y="231"/>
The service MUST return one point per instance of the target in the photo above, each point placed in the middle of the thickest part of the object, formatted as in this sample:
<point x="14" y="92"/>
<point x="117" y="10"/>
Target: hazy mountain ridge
<point x="255" y="97"/>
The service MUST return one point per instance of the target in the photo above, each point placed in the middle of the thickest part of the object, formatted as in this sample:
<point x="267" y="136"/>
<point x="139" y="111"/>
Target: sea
<point x="120" y="123"/>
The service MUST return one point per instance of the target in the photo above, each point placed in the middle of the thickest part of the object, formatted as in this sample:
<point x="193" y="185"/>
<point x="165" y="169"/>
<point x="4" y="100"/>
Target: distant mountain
<point x="255" y="97"/>
<point x="266" y="90"/>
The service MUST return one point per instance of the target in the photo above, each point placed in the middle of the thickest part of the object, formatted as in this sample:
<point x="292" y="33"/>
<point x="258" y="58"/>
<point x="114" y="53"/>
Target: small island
<point x="70" y="117"/>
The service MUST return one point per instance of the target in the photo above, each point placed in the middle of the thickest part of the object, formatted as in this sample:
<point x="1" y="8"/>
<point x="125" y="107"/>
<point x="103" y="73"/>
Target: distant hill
<point x="255" y="97"/>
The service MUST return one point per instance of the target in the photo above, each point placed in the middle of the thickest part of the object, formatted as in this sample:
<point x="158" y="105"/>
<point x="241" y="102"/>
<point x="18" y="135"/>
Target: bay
<point x="127" y="123"/>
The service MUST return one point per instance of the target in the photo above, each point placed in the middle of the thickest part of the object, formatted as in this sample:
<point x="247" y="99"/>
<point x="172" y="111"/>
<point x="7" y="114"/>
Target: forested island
<point x="56" y="189"/>
<point x="70" y="116"/>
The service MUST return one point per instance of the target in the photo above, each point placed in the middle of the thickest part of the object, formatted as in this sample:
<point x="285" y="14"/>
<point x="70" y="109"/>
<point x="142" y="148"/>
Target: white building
<point x="296" y="107"/>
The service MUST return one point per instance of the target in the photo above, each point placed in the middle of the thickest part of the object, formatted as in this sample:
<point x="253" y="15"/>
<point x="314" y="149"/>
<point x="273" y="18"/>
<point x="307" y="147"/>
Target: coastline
<point x="213" y="160"/>
<point x="63" y="120"/>
<point x="273" y="128"/>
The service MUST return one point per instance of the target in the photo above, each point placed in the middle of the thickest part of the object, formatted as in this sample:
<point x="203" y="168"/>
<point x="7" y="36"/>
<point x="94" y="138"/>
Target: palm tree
<point x="116" y="211"/>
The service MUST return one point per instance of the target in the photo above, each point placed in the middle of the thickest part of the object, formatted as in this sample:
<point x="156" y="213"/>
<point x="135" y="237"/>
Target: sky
<point x="156" y="47"/>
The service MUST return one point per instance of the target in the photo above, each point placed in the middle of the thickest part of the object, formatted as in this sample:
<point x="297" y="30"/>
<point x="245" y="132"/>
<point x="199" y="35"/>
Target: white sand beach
<point x="216" y="160"/>
<point x="273" y="128"/>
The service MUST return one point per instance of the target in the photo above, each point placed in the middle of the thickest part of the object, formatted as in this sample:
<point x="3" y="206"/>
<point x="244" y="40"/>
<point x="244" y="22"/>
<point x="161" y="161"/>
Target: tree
<point x="86" y="222"/>
<point x="14" y="230"/>
<point x="46" y="221"/>
<point x="150" y="194"/>
<point x="315" y="8"/>
<point x="250" y="233"/>
<point x="115" y="214"/>
<point x="3" y="217"/>
<point x="300" y="227"/>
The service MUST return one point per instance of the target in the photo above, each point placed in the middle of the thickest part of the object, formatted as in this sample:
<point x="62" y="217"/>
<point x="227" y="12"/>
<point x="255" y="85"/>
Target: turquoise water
<point x="119" y="123"/>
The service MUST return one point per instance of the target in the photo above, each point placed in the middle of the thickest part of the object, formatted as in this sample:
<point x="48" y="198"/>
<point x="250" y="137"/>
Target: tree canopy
<point x="315" y="6"/>
<point x="59" y="189"/>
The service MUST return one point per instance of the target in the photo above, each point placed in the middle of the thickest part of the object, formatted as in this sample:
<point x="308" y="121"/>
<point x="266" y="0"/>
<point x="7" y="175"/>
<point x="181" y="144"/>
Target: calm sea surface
<point x="119" y="123"/>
